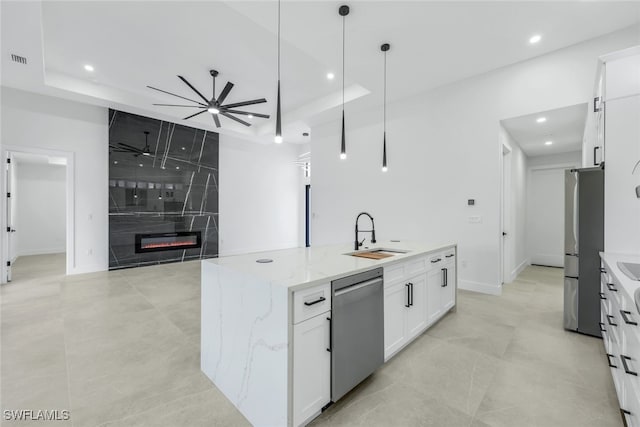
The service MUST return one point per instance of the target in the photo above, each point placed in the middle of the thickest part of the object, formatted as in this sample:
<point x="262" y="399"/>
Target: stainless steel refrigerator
<point x="584" y="239"/>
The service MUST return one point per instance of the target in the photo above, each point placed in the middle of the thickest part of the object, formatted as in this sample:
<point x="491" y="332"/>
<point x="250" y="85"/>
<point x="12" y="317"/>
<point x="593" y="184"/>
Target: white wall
<point x="33" y="121"/>
<point x="260" y="194"/>
<point x="516" y="256"/>
<point x="443" y="148"/>
<point x="40" y="209"/>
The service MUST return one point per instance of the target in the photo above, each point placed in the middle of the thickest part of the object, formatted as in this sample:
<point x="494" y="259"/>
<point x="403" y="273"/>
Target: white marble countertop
<point x="298" y="268"/>
<point x="629" y="286"/>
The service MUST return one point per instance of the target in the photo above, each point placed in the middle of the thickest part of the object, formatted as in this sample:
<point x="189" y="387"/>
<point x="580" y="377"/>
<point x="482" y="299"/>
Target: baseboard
<point x="483" y="288"/>
<point x="42" y="252"/>
<point x="549" y="260"/>
<point x="524" y="264"/>
<point x="94" y="268"/>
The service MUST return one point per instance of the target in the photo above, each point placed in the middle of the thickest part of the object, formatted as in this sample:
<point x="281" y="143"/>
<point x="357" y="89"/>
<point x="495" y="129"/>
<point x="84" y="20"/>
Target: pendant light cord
<point x="384" y="108"/>
<point x="343" y="35"/>
<point x="278" y="39"/>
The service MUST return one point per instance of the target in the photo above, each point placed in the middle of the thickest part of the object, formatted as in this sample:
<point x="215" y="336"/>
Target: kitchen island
<point x="265" y="336"/>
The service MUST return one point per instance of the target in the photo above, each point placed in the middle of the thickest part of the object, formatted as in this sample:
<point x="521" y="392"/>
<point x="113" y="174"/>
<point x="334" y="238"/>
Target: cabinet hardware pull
<point x="611" y="287"/>
<point x="624" y="314"/>
<point x="595" y="151"/>
<point x="444" y="278"/>
<point x="602" y="295"/>
<point x="408" y="303"/>
<point x="330" y="336"/>
<point x="625" y="366"/>
<point x="609" y="317"/>
<point x="433" y="261"/>
<point x="448" y="256"/>
<point x="603" y="270"/>
<point x="411" y="294"/>
<point x="624" y="414"/>
<point x="314" y="302"/>
<point x="611" y="365"/>
<point x="602" y="329"/>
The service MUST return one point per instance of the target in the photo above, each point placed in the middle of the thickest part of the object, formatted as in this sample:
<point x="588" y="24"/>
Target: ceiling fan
<point x="121" y="147"/>
<point x="215" y="105"/>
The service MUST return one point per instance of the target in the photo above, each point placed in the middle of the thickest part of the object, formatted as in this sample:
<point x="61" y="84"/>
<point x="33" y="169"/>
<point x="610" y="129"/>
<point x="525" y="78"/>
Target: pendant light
<point x="384" y="48"/>
<point x="343" y="11"/>
<point x="278" y="138"/>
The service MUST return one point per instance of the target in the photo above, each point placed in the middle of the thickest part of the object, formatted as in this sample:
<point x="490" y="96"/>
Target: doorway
<point x="37" y="218"/>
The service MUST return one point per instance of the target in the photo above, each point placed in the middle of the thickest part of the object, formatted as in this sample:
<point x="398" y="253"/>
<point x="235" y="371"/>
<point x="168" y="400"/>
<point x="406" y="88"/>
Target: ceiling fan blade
<point x="224" y="93"/>
<point x="173" y="94"/>
<point x="193" y="89"/>
<point x="130" y="147"/>
<point x="216" y="120"/>
<point x="246" y="113"/>
<point x="179" y="105"/>
<point x="242" y="104"/>
<point x="229" y="116"/>
<point x="193" y="115"/>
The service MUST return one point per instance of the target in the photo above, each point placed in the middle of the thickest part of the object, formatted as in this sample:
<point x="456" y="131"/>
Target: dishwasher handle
<point x="357" y="286"/>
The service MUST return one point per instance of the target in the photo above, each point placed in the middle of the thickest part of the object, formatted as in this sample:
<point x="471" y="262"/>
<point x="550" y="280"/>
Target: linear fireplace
<point x="168" y="241"/>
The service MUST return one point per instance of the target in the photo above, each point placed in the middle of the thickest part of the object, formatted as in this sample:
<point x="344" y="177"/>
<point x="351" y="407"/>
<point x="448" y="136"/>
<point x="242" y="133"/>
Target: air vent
<point x="19" y="59"/>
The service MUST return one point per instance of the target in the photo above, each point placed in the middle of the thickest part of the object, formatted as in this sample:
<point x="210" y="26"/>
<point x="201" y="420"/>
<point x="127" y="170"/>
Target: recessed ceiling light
<point x="250" y="116"/>
<point x="89" y="67"/>
<point x="213" y="110"/>
<point x="331" y="76"/>
<point x="177" y="167"/>
<point x="541" y="119"/>
<point x="140" y="165"/>
<point x="183" y="148"/>
<point x="548" y="143"/>
<point x="115" y="162"/>
<point x="535" y="39"/>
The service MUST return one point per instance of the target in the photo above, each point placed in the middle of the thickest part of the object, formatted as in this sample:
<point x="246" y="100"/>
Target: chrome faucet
<point x="372" y="231"/>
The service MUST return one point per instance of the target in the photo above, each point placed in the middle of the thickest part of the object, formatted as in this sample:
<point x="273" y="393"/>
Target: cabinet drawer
<point x="393" y="273"/>
<point x="450" y="255"/>
<point x="311" y="302"/>
<point x="436" y="260"/>
<point x="415" y="266"/>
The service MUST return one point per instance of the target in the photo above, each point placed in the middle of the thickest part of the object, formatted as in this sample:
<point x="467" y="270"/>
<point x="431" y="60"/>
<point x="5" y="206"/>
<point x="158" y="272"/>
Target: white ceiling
<point x="564" y="127"/>
<point x="133" y="44"/>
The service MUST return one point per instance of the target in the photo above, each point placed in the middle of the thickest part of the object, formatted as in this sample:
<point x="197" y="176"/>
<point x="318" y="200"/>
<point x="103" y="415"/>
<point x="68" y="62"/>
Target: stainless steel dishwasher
<point x="357" y="330"/>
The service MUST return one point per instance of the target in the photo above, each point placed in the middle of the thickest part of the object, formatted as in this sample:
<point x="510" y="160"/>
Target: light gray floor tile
<point x="121" y="348"/>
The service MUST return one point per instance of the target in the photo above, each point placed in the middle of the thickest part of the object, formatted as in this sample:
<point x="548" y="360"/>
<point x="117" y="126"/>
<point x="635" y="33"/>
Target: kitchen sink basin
<point x="631" y="270"/>
<point x="377" y="253"/>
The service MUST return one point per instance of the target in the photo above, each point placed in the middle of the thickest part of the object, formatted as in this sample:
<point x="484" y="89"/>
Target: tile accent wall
<point x="174" y="189"/>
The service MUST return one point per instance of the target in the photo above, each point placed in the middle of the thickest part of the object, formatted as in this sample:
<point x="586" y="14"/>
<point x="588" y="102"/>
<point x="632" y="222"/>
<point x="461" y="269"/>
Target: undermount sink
<point x="377" y="253"/>
<point x="631" y="270"/>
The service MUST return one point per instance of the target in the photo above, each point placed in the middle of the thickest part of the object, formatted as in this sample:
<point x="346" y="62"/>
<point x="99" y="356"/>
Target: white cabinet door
<point x="434" y="285"/>
<point x="395" y="302"/>
<point x="311" y="367"/>
<point x="448" y="289"/>
<point x="417" y="313"/>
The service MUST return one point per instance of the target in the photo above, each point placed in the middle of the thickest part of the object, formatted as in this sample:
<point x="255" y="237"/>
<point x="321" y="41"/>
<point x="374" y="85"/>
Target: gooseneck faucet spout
<point x="357" y="243"/>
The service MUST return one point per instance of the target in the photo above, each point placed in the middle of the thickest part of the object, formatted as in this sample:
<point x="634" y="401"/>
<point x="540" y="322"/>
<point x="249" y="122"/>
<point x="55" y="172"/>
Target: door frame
<point x="505" y="207"/>
<point x="70" y="204"/>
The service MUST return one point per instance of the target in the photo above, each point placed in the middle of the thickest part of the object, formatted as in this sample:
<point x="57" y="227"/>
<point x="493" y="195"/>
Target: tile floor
<point x="122" y="349"/>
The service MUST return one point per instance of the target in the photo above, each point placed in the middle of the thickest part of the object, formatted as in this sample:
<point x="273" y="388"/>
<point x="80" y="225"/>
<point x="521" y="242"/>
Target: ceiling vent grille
<point x="19" y="59"/>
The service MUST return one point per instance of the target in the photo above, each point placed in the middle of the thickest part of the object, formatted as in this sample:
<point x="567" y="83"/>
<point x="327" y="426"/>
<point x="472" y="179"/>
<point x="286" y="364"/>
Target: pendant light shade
<point x="278" y="137"/>
<point x="343" y="11"/>
<point x="384" y="48"/>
